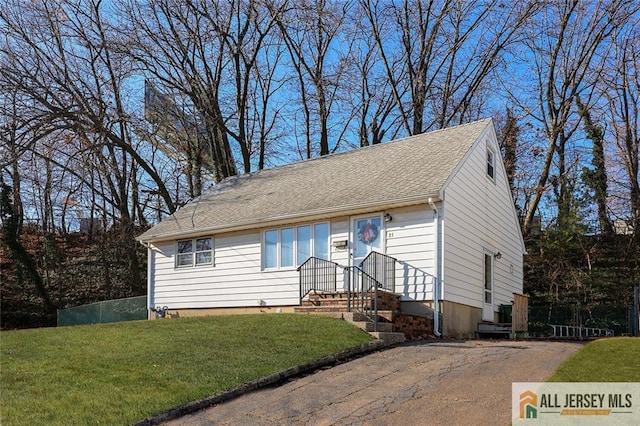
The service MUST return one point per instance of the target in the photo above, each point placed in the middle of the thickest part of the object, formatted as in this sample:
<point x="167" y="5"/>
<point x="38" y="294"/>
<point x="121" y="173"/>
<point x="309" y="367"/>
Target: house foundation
<point x="460" y="321"/>
<point x="203" y="312"/>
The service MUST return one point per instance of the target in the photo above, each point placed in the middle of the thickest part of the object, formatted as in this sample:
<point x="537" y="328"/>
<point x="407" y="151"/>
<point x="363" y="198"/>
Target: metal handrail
<point x="382" y="267"/>
<point x="360" y="295"/>
<point x="317" y="275"/>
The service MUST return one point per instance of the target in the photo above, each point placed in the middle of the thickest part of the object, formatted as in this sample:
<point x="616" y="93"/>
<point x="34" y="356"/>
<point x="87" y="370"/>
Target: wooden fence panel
<point x="520" y="313"/>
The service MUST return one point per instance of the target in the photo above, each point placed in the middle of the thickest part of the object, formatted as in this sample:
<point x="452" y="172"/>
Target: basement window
<point x="196" y="252"/>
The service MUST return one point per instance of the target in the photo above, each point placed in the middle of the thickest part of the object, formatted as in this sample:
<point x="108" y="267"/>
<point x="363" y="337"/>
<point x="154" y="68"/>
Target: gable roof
<point x="401" y="172"/>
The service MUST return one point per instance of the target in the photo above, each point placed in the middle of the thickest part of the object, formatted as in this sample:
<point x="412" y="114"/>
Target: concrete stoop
<point x="390" y="338"/>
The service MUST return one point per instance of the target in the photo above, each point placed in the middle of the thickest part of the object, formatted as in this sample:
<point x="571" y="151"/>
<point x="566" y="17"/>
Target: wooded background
<point x="114" y="113"/>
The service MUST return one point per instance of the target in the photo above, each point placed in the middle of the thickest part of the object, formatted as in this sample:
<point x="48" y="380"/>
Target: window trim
<point x="194" y="253"/>
<point x="296" y="262"/>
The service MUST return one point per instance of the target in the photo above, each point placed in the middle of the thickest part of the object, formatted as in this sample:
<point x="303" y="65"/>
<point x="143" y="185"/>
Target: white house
<point x="439" y="203"/>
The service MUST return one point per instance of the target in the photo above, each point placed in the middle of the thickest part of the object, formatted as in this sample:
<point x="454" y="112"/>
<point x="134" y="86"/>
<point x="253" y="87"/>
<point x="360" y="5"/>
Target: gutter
<point x="438" y="278"/>
<point x="276" y="220"/>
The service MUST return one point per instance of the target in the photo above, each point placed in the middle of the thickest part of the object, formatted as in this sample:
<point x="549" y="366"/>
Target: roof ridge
<point x="219" y="186"/>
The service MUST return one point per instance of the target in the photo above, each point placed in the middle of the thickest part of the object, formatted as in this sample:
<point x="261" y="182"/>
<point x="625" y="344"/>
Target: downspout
<point x="150" y="261"/>
<point x="437" y="278"/>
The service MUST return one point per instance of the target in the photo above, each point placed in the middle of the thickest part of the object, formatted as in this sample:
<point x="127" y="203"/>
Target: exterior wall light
<point x="387" y="217"/>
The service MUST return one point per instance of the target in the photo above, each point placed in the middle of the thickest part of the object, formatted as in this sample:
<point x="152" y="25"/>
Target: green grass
<point x="604" y="360"/>
<point x="116" y="374"/>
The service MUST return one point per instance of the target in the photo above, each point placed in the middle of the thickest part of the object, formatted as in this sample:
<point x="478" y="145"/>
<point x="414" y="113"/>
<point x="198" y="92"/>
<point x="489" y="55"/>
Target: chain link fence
<point x="128" y="309"/>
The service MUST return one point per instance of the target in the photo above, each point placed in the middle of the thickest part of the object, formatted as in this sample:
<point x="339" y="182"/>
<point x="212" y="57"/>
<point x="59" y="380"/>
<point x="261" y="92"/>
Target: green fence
<point x="129" y="309"/>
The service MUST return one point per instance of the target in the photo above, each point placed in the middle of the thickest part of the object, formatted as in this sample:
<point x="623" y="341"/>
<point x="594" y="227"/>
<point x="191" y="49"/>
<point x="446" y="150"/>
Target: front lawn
<point x="605" y="360"/>
<point x="116" y="374"/>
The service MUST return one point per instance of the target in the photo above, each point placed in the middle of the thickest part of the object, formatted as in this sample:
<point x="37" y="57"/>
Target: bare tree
<point x="311" y="30"/>
<point x="372" y="101"/>
<point x="60" y="61"/>
<point x="438" y="55"/>
<point x="566" y="42"/>
<point x="509" y="145"/>
<point x="621" y="89"/>
<point x="176" y="44"/>
<point x="265" y="129"/>
<point x="58" y="56"/>
<point x="247" y="32"/>
<point x="11" y="150"/>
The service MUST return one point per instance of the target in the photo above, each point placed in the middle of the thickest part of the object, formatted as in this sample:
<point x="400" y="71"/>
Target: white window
<point x="286" y="247"/>
<point x="292" y="246"/>
<point x="196" y="252"/>
<point x="320" y="241"/>
<point x="491" y="164"/>
<point x="271" y="249"/>
<point x="303" y="242"/>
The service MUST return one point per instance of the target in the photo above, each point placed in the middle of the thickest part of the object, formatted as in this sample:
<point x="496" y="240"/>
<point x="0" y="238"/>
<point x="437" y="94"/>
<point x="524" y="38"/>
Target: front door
<point x="366" y="236"/>
<point x="487" y="293"/>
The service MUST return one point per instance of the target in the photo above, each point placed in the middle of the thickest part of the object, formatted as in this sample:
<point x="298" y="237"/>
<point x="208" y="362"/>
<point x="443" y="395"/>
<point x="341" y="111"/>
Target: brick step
<point x="344" y="294"/>
<point x="310" y="309"/>
<point x="386" y="301"/>
<point x="341" y="312"/>
<point x="331" y="295"/>
<point x="328" y="297"/>
<point x="325" y="302"/>
<point x="407" y="326"/>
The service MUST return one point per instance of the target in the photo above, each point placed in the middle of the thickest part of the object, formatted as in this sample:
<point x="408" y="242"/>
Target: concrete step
<point x="384" y="328"/>
<point x="389" y="337"/>
<point x="370" y="327"/>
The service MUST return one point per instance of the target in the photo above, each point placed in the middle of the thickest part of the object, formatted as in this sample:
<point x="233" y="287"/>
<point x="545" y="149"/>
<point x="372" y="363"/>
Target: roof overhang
<point x="328" y="213"/>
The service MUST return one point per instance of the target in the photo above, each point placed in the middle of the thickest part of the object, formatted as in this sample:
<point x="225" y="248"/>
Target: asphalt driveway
<point x="432" y="382"/>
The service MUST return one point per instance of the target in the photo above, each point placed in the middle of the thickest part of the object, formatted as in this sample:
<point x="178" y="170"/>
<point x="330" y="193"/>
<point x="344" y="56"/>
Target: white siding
<point x="235" y="280"/>
<point x="410" y="239"/>
<point x="479" y="216"/>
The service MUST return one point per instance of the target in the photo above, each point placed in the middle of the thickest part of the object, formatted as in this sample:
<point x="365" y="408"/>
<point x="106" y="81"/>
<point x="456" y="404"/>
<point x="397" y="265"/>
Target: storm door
<point x="366" y="236"/>
<point x="487" y="292"/>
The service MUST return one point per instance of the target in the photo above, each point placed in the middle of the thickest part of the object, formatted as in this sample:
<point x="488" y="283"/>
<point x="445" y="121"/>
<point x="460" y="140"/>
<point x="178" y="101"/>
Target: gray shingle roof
<point x="401" y="172"/>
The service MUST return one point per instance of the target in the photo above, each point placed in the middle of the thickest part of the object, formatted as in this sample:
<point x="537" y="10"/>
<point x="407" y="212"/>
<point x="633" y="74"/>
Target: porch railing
<point x="381" y="268"/>
<point x="317" y="275"/>
<point x="363" y="282"/>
